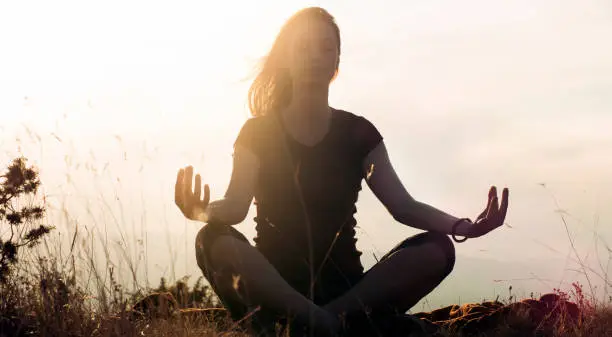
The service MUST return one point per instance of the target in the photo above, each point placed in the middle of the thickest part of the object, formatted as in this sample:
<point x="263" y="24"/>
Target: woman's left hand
<point x="492" y="217"/>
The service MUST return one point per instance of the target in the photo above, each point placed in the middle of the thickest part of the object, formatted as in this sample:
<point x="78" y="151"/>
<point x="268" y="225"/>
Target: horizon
<point x="512" y="94"/>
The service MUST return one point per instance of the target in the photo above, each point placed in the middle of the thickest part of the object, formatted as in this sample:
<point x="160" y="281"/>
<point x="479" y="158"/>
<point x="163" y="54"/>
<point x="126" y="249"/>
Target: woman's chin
<point x="314" y="80"/>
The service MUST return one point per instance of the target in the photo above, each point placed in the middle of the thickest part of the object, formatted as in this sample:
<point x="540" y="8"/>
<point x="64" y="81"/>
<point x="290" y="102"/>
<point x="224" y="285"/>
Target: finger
<point x="486" y="210"/>
<point x="504" y="205"/>
<point x="492" y="212"/>
<point x="495" y="202"/>
<point x="178" y="186"/>
<point x="492" y="192"/>
<point x="187" y="181"/>
<point x="206" y="195"/>
<point x="495" y="206"/>
<point x="483" y="214"/>
<point x="491" y="195"/>
<point x="198" y="187"/>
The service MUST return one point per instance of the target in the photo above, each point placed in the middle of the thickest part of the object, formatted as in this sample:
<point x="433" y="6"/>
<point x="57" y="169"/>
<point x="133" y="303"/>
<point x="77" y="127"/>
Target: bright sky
<point x="122" y="94"/>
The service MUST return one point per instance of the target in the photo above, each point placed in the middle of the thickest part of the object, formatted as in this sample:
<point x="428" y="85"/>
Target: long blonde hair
<point x="272" y="87"/>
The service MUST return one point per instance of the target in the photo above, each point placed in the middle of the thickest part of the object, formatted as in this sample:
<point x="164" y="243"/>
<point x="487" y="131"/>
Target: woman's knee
<point x="212" y="244"/>
<point x="445" y="244"/>
<point x="442" y="242"/>
<point x="203" y="239"/>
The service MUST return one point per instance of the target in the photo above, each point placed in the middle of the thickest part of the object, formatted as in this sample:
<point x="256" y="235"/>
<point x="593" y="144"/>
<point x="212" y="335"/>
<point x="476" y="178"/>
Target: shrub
<point x="19" y="225"/>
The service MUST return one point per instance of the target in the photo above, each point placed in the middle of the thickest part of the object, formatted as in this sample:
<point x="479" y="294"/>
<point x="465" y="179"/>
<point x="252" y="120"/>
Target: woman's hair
<point x="271" y="89"/>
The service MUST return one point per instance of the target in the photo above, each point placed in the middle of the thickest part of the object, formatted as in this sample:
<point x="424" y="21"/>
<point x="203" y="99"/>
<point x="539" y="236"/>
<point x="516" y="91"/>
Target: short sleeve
<point x="368" y="136"/>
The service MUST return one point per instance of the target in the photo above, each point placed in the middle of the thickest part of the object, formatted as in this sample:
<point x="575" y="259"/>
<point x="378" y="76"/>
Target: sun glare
<point x="109" y="99"/>
<point x="64" y="56"/>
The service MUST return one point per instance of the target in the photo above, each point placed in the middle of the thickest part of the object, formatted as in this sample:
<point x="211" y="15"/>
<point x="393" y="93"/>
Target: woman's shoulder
<point x="267" y="121"/>
<point x="363" y="132"/>
<point x="354" y="121"/>
<point x="351" y="117"/>
<point x="254" y="131"/>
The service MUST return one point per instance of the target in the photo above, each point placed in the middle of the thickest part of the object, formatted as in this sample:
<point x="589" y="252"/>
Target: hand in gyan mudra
<point x="188" y="198"/>
<point x="493" y="216"/>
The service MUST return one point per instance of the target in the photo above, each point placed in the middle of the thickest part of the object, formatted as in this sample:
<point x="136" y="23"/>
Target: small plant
<point x="199" y="296"/>
<point x="18" y="224"/>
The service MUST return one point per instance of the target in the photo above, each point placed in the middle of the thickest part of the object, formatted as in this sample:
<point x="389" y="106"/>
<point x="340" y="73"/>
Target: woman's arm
<point x="386" y="185"/>
<point x="234" y="207"/>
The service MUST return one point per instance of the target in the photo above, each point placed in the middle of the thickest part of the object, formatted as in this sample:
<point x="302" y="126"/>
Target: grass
<point x="46" y="297"/>
<point x="71" y="287"/>
<point x="46" y="300"/>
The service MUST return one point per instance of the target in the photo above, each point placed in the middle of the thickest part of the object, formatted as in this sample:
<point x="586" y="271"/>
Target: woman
<point x="303" y="162"/>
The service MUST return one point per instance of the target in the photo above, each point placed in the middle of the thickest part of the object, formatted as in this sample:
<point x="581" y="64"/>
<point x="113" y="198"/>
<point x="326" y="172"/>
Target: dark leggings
<point x="262" y="320"/>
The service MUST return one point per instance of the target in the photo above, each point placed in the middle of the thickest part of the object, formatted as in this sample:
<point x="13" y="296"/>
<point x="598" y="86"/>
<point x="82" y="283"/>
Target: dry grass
<point x="47" y="301"/>
<point x="68" y="292"/>
<point x="44" y="298"/>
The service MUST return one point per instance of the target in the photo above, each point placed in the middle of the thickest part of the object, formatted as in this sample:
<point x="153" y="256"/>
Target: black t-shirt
<point x="302" y="187"/>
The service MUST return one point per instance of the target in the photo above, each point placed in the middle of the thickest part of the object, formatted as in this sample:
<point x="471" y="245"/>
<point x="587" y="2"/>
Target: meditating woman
<point x="303" y="163"/>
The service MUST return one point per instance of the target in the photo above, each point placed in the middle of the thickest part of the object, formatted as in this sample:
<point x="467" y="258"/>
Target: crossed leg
<point x="408" y="273"/>
<point x="401" y="278"/>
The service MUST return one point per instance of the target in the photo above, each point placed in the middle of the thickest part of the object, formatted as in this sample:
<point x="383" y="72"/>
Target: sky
<point x="110" y="99"/>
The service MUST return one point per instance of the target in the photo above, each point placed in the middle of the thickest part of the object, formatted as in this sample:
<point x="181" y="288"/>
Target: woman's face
<point x="313" y="53"/>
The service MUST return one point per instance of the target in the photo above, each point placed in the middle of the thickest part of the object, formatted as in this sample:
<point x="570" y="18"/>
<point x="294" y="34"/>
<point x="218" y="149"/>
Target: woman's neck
<point x="309" y="104"/>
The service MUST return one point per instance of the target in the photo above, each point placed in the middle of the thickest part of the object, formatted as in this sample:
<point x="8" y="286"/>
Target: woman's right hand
<point x="189" y="201"/>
